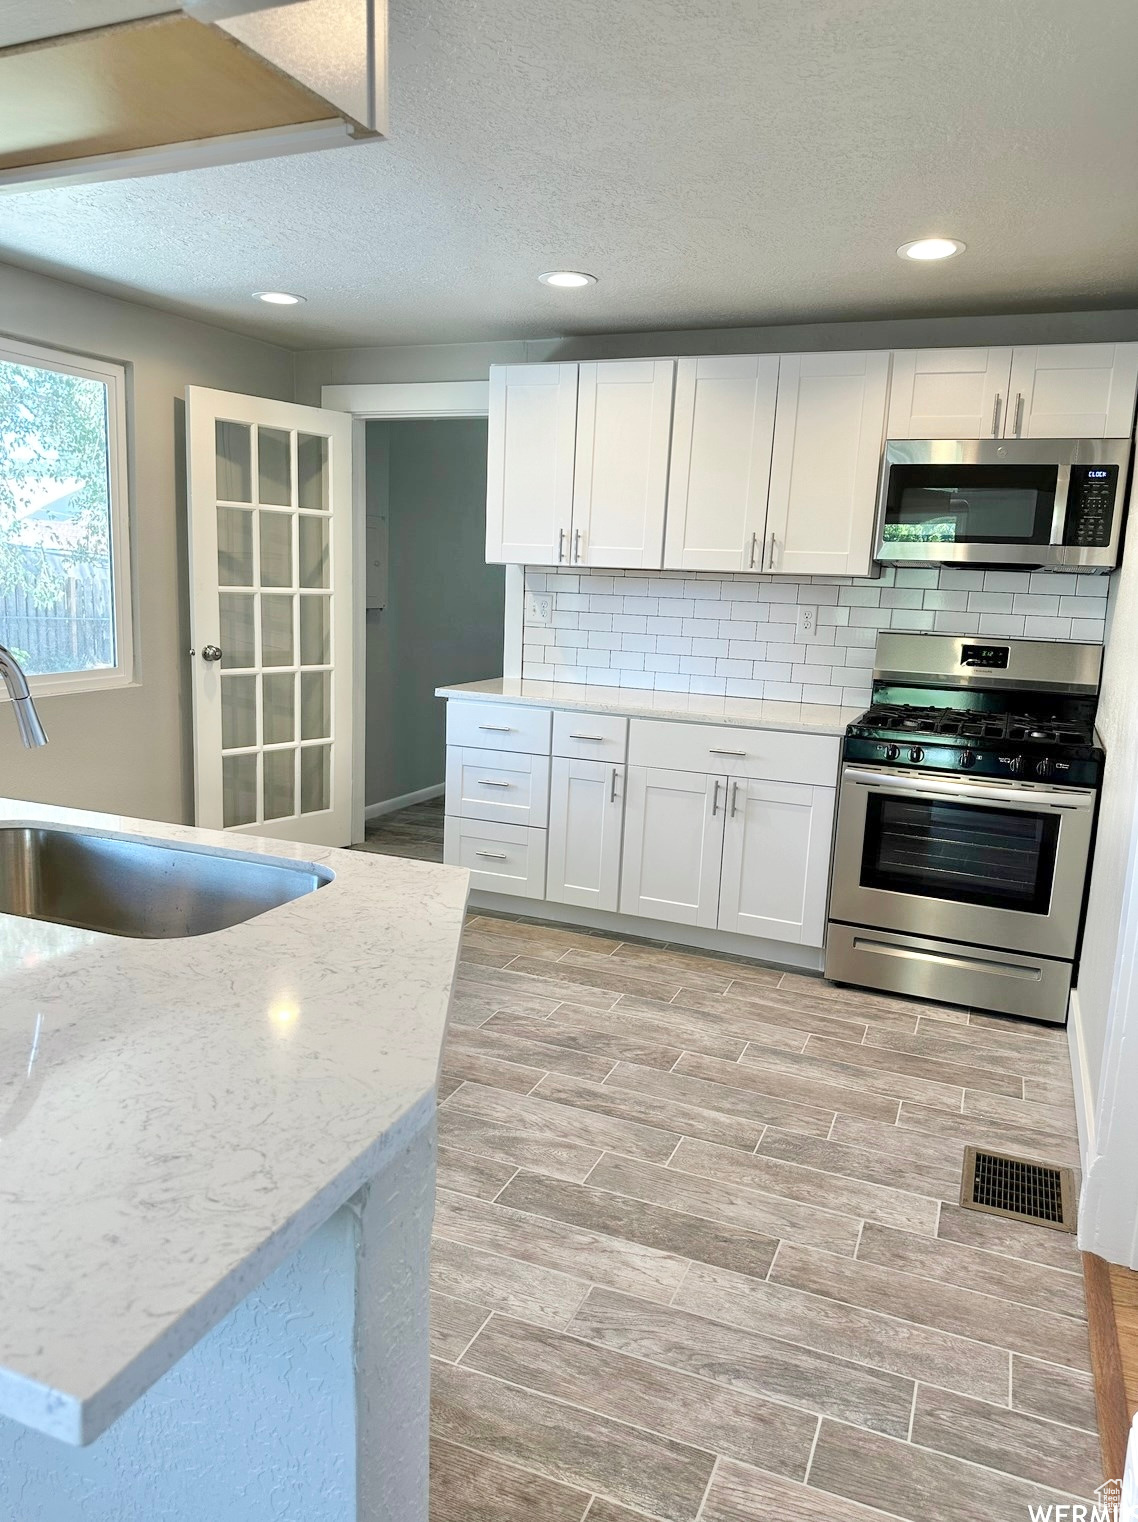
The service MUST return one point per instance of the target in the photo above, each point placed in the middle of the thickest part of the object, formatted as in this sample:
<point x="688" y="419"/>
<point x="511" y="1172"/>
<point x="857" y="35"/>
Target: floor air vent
<point x="1022" y="1190"/>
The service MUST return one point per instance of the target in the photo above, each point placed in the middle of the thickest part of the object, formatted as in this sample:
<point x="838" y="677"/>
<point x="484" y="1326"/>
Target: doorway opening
<point x="435" y="614"/>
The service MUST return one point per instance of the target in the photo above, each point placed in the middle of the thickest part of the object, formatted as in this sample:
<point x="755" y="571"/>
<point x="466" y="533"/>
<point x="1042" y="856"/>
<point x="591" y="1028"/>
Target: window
<point x="64" y="547"/>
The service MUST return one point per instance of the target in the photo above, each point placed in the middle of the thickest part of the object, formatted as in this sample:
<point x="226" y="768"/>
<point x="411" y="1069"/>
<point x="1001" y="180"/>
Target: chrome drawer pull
<point x="572" y="736"/>
<point x="713" y="751"/>
<point x="493" y="855"/>
<point x="499" y="729"/>
<point x="489" y="782"/>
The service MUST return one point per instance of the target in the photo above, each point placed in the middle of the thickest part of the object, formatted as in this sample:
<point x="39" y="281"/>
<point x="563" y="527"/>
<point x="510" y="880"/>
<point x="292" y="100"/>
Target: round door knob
<point x="211" y="652"/>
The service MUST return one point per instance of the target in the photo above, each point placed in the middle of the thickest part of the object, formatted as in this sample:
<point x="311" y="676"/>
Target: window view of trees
<point x="56" y="590"/>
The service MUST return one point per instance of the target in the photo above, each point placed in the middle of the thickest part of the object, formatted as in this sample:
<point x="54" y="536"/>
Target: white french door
<point x="270" y="527"/>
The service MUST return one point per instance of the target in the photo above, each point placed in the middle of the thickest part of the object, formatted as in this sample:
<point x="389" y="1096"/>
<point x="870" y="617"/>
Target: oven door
<point x="987" y="863"/>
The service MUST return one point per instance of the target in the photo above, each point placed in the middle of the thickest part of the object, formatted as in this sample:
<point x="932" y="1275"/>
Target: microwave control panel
<point x="1090" y="506"/>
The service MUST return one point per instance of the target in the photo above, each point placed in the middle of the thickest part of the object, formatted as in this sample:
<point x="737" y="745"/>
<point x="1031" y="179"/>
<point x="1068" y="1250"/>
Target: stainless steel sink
<point x="123" y="886"/>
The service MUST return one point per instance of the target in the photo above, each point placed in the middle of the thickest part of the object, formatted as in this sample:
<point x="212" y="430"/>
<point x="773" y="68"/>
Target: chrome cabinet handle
<point x="573" y="736"/>
<point x="493" y="855"/>
<point x="576" y="546"/>
<point x="1017" y="422"/>
<point x="996" y="416"/>
<point x="211" y="652"/>
<point x="734" y="797"/>
<point x="560" y="546"/>
<point x="770" y="556"/>
<point x="754" y="550"/>
<point x="713" y="751"/>
<point x="612" y="789"/>
<point x="715" y="799"/>
<point x="498" y="729"/>
<point x="489" y="782"/>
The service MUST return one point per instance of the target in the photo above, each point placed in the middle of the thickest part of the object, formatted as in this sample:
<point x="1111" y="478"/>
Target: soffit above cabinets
<point x="211" y="81"/>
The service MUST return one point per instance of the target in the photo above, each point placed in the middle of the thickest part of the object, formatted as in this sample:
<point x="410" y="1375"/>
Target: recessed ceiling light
<point x="567" y="278"/>
<point x="279" y="298"/>
<point x="925" y="249"/>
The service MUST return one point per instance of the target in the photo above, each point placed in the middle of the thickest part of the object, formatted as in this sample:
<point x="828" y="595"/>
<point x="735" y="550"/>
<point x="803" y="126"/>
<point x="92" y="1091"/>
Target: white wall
<point x="128" y="750"/>
<point x="471" y="361"/>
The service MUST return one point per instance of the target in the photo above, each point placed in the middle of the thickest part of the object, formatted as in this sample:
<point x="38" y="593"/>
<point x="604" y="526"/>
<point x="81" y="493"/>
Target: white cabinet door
<point x="1073" y="391"/>
<point x="673" y="844"/>
<point x="776" y="860"/>
<point x="949" y="393"/>
<point x="529" y="464"/>
<point x="624" y="421"/>
<point x="722" y="433"/>
<point x="829" y="425"/>
<point x="586" y="812"/>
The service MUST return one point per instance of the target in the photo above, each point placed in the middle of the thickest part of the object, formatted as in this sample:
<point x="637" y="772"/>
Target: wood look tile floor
<point x="416" y="832"/>
<point x="698" y="1252"/>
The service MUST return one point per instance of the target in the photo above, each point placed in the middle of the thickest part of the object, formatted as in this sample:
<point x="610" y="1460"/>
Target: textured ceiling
<point x="713" y="162"/>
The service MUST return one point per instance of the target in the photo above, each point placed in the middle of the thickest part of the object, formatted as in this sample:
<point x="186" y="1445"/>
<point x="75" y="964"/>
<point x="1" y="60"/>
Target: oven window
<point x="994" y="857"/>
<point x="970" y="504"/>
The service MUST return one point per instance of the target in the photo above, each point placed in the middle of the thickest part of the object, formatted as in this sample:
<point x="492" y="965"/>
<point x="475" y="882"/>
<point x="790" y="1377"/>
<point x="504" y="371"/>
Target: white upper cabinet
<point x="620" y="489"/>
<point x="722" y="434"/>
<point x="529" y="466"/>
<point x="1046" y="391"/>
<point x="1072" y="391"/>
<point x="829" y="427"/>
<point x="949" y="393"/>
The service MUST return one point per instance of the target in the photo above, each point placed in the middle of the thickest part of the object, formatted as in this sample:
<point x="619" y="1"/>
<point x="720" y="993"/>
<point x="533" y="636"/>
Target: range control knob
<point x="1043" y="768"/>
<point x="1015" y="765"/>
<point x="892" y="752"/>
<point x="916" y="755"/>
<point x="967" y="758"/>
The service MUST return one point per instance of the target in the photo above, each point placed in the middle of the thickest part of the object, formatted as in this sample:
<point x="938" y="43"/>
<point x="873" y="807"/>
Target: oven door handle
<point x="954" y="790"/>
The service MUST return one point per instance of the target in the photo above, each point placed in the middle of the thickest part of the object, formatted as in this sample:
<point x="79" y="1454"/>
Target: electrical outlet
<point x="806" y="624"/>
<point x="539" y="607"/>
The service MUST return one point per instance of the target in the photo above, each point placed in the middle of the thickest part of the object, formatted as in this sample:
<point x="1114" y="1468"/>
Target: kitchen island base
<point x="309" y="1399"/>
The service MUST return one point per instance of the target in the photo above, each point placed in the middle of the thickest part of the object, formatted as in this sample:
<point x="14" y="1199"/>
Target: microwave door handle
<point x="1062" y="499"/>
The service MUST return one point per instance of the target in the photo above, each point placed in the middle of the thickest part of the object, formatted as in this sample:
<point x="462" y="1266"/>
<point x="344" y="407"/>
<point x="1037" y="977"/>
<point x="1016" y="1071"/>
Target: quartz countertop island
<point x="178" y="1116"/>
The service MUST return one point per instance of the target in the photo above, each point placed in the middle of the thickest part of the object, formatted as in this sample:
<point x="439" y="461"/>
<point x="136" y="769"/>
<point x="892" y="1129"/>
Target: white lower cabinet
<point x="502" y="858"/>
<point x="586" y="814"/>
<point x="740" y="848"/>
<point x="673" y="842"/>
<point x="776" y="858"/>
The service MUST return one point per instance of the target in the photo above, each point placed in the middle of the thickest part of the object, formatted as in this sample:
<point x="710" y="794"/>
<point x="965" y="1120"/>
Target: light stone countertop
<point x="747" y="713"/>
<point x="177" y="1116"/>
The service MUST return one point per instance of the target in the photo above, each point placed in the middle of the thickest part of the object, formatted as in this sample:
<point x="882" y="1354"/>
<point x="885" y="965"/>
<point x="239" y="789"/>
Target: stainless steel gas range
<point x="965" y="818"/>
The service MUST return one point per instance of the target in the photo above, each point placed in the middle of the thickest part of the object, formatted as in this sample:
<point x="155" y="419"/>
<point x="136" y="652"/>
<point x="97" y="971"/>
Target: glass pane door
<point x="935" y="848"/>
<point x="270" y="530"/>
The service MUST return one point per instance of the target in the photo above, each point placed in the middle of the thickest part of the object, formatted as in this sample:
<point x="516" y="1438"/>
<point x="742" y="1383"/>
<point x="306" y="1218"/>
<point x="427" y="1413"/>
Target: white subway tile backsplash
<point x="737" y="635"/>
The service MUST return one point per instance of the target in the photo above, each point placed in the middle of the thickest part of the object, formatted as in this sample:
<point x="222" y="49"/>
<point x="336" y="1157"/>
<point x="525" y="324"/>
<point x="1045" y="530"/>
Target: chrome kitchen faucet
<point x="28" y="720"/>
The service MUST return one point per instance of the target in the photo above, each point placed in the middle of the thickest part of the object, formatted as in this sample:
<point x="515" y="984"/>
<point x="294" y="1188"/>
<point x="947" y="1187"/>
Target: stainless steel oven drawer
<point x="1004" y="981"/>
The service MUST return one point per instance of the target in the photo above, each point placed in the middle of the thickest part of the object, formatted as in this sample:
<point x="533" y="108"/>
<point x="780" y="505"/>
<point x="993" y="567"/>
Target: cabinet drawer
<point x="502" y="858"/>
<point x="499" y="726"/>
<point x="497" y="784"/>
<point x="591" y="736"/>
<point x="773" y="755"/>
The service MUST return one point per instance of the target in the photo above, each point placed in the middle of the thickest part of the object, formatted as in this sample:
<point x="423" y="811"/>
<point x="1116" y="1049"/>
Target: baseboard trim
<point x="744" y="947"/>
<point x="404" y="801"/>
<point x="1081" y="1077"/>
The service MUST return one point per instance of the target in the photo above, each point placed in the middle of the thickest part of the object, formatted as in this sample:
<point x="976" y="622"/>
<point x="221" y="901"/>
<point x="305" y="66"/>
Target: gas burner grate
<point x="1019" y="1189"/>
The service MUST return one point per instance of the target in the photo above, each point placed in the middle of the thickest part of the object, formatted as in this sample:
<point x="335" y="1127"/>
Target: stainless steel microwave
<point x="1054" y="504"/>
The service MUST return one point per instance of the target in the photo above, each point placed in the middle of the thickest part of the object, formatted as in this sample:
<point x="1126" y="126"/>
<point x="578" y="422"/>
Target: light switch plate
<point x="539" y="607"/>
<point x="806" y="623"/>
